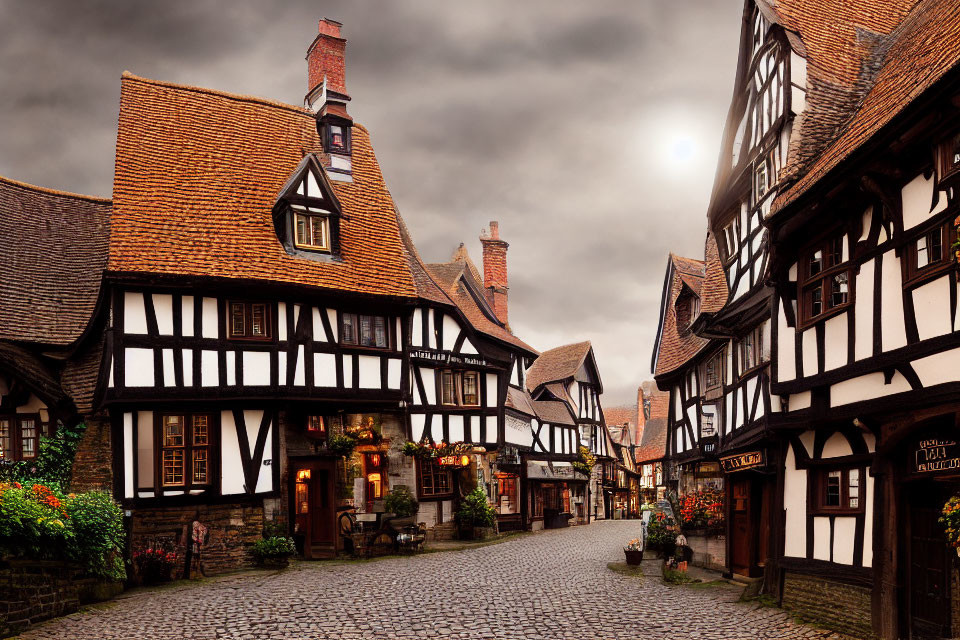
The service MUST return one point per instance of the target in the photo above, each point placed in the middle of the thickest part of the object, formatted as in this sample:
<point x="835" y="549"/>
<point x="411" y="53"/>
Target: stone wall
<point x="233" y="528"/>
<point x="93" y="462"/>
<point x="842" y="607"/>
<point x="709" y="551"/>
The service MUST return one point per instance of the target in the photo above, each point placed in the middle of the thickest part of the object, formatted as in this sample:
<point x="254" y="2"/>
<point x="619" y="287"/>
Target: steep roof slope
<point x="893" y="52"/>
<point x="54" y="246"/>
<point x="675" y="345"/>
<point x="556" y="364"/>
<point x="197" y="175"/>
<point x="653" y="444"/>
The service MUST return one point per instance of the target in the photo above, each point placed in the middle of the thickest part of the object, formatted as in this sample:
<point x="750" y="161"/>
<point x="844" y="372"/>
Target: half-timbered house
<point x="651" y="453"/>
<point x="834" y="214"/>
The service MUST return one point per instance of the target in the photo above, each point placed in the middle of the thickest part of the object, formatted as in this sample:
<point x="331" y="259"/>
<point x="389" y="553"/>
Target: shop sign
<point x="741" y="461"/>
<point x="447" y="357"/>
<point x="454" y="461"/>
<point x="539" y="470"/>
<point x="937" y="455"/>
<point x="708" y="467"/>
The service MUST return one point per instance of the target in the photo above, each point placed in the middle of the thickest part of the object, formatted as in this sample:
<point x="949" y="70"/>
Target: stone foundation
<point x="841" y="607"/>
<point x="233" y="528"/>
<point x="709" y="551"/>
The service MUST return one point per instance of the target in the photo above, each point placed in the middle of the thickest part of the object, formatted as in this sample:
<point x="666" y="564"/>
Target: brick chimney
<point x="325" y="59"/>
<point x="495" y="271"/>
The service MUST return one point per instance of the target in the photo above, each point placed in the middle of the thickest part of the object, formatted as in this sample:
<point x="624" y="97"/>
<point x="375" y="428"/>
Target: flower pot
<point x="633" y="557"/>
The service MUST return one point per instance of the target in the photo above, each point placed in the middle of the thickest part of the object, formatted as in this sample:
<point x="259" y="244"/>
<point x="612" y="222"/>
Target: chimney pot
<point x="330" y="27"/>
<point x="326" y="58"/>
<point x="494" y="230"/>
<point x="495" y="271"/>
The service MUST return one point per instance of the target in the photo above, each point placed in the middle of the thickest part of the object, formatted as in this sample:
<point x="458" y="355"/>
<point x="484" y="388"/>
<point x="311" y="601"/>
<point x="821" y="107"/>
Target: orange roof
<point x="653" y="444"/>
<point x="675" y="346"/>
<point x="197" y="175"/>
<point x="869" y="61"/>
<point x="559" y="363"/>
<point x="714" y="291"/>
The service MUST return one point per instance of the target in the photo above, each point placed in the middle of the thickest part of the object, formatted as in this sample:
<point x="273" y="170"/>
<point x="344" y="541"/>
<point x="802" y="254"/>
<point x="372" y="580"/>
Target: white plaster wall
<point x="431" y="331"/>
<point x="169" y="378"/>
<point x="265" y="479"/>
<point x="938" y="368"/>
<point x="836" y="446"/>
<point x="456" y="428"/>
<point x="299" y="375"/>
<point x="491" y="390"/>
<point x="835" y="340"/>
<point x="187" y="367"/>
<point x="416" y="328"/>
<point x="282" y="377"/>
<point x="821" y="539"/>
<point x="868" y="518"/>
<point x="210" y="375"/>
<point x="319" y="333"/>
<point x="186" y="316"/>
<point x="208" y="326"/>
<point x="138" y="367"/>
<point x="324" y="370"/>
<point x="786" y="348"/>
<point x="417" y="421"/>
<point x="451" y="331"/>
<point x="865" y="388"/>
<point x="369" y="377"/>
<point x="490" y="426"/>
<point x="134" y="313"/>
<point x="917" y="197"/>
<point x="231" y="464"/>
<point x="799" y="401"/>
<point x="894" y="334"/>
<point x="931" y="307"/>
<point x="515" y="374"/>
<point x="844" y="533"/>
<point x="809" y="339"/>
<point x="256" y="368"/>
<point x="429" y="384"/>
<point x="347" y="370"/>
<point x="281" y="321"/>
<point x="863" y="310"/>
<point x="334" y="325"/>
<point x="468" y="347"/>
<point x="163" y="308"/>
<point x="393" y="373"/>
<point x="231" y="367"/>
<point x="795" y="504"/>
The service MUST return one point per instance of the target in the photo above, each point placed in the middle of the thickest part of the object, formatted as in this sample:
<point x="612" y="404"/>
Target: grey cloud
<point x="542" y="114"/>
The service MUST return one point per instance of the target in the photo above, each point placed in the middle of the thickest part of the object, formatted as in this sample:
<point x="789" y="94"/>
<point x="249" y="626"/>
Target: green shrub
<point x="273" y="546"/>
<point x="54" y="461"/>
<point x="342" y="445"/>
<point x="585" y="461"/>
<point x="660" y="537"/>
<point x="474" y="510"/>
<point x="401" y="502"/>
<point x="39" y="521"/>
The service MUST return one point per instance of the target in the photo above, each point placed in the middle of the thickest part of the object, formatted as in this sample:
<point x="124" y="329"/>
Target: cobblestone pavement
<point x="552" y="585"/>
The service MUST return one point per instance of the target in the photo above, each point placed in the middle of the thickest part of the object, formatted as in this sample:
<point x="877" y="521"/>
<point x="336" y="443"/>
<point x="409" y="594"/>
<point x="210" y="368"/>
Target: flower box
<point x="634" y="558"/>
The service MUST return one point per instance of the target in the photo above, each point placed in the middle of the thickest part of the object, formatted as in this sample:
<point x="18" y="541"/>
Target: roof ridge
<point x="55" y="192"/>
<point x="240" y="97"/>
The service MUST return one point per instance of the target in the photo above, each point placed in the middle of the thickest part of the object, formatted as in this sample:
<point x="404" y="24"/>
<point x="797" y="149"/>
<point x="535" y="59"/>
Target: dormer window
<point x="307" y="213"/>
<point x="687" y="308"/>
<point x="948" y="161"/>
<point x="337" y="138"/>
<point x="311" y="228"/>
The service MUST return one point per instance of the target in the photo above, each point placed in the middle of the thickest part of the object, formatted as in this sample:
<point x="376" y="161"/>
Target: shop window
<point x="19" y="437"/>
<point x="185" y="451"/>
<point x="507" y="493"/>
<point x="751" y="349"/>
<point x="317" y="427"/>
<point x="930" y="254"/>
<point x="460" y="388"/>
<point x="566" y="499"/>
<point x="249" y="320"/>
<point x="837" y="491"/>
<point x="433" y="481"/>
<point x="536" y="501"/>
<point x="825" y="286"/>
<point x="303" y="491"/>
<point x="364" y="331"/>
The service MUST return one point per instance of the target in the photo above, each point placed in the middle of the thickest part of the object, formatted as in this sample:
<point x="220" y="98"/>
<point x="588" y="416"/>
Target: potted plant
<point x="660" y="537"/>
<point x="950" y="519"/>
<point x="475" y="518"/>
<point x="401" y="503"/>
<point x="634" y="552"/>
<point x="342" y="445"/>
<point x="154" y="562"/>
<point x="273" y="551"/>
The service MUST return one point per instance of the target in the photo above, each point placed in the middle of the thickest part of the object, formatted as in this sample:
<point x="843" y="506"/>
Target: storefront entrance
<point x="314" y="507"/>
<point x="748" y="496"/>
<point x="927" y="563"/>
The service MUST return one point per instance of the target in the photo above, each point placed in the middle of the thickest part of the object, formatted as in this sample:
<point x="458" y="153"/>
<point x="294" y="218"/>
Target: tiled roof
<point x="620" y="415"/>
<point x="554" y="412"/>
<point x="714" y="292"/>
<point x="866" y="62"/>
<point x="33" y="371"/>
<point x="197" y="174"/>
<point x="81" y="373"/>
<point x="54" y="248"/>
<point x="675" y="346"/>
<point x="557" y="364"/>
<point x="519" y="400"/>
<point x="653" y="444"/>
<point x="451" y="277"/>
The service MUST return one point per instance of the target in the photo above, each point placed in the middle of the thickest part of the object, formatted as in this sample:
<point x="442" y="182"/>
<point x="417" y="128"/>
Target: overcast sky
<point x="590" y="130"/>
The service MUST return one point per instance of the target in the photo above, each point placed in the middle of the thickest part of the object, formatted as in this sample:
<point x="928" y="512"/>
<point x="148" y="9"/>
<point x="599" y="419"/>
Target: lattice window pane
<point x="318" y="231"/>
<point x="833" y="488"/>
<point x="936" y="245"/>
<point x="366" y="331"/>
<point x="349" y="333"/>
<point x="6" y="440"/>
<point x="816" y="262"/>
<point x="258" y="324"/>
<point x="380" y="331"/>
<point x="28" y="437"/>
<point x="839" y="289"/>
<point x="449" y="390"/>
<point x="471" y="395"/>
<point x="237" y="321"/>
<point x="173" y="467"/>
<point x="200" y="467"/>
<point x="923" y="257"/>
<point x="201" y="430"/>
<point x="173" y="431"/>
<point x="302" y="230"/>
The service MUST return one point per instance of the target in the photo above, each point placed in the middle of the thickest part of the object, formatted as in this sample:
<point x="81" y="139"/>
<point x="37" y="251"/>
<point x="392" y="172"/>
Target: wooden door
<point x="741" y="530"/>
<point x="314" y="505"/>
<point x="928" y="569"/>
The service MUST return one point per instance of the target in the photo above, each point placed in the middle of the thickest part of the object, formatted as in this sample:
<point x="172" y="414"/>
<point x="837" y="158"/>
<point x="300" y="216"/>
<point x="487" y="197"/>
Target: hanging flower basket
<point x="950" y="519"/>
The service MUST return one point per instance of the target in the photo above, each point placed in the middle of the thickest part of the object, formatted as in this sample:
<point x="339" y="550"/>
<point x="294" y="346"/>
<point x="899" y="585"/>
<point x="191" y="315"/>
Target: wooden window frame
<point x="463" y="396"/>
<point x="913" y="274"/>
<point x="818" y="491"/>
<point x="756" y="336"/>
<point x="356" y="342"/>
<point x="454" y="399"/>
<point x="717" y="362"/>
<point x="310" y="214"/>
<point x="189" y="447"/>
<point x="808" y="282"/>
<point x="342" y="149"/>
<point x="761" y="167"/>
<point x="15" y="422"/>
<point x="321" y="432"/>
<point x="248" y="309"/>
<point x="458" y="376"/>
<point x="731" y="251"/>
<point x="431" y="468"/>
<point x="508" y="486"/>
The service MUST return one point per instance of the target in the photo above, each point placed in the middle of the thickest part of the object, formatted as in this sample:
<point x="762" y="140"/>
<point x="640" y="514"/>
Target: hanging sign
<point x="454" y="461"/>
<point x="447" y="357"/>
<point x="934" y="455"/>
<point x="741" y="461"/>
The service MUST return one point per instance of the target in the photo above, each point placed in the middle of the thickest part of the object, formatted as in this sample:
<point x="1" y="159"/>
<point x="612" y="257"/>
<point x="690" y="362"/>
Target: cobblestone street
<point x="549" y="585"/>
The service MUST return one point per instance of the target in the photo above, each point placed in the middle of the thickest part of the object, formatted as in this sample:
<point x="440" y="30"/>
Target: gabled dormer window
<point x="336" y="137"/>
<point x="306" y="215"/>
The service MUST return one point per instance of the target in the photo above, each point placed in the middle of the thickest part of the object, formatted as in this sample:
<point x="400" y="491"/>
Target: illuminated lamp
<point x="303" y="474"/>
<point x="465" y="460"/>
